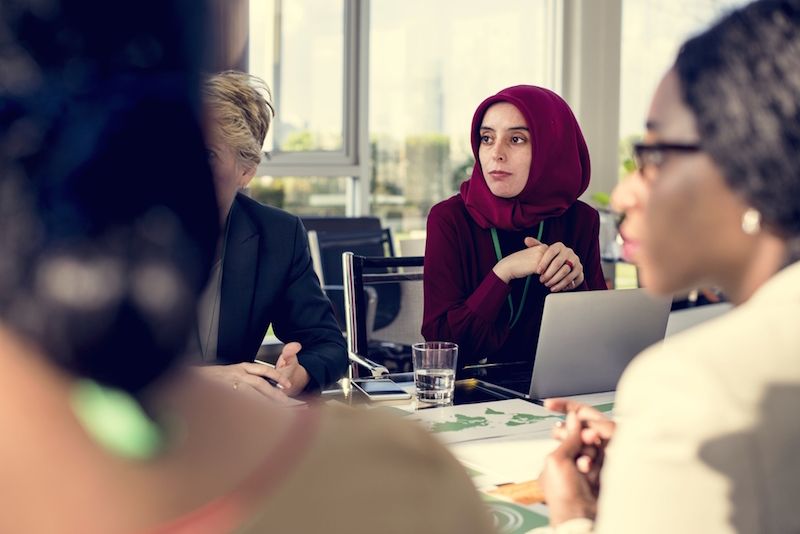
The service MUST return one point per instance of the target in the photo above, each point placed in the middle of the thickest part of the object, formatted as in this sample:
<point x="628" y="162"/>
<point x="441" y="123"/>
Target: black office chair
<point x="329" y="238"/>
<point x="382" y="348"/>
<point x="367" y="346"/>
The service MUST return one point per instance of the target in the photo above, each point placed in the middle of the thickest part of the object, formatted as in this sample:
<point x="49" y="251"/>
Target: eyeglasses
<point x="653" y="154"/>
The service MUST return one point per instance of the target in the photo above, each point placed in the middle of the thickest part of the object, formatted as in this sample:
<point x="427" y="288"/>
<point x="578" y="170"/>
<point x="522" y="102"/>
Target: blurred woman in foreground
<point x="707" y="432"/>
<point x="108" y="227"/>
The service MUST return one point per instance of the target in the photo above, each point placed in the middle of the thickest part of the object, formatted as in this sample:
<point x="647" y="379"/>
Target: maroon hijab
<point x="559" y="171"/>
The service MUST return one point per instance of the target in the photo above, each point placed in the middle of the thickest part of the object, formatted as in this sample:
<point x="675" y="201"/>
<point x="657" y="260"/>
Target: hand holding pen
<point x="274" y="383"/>
<point x="251" y="377"/>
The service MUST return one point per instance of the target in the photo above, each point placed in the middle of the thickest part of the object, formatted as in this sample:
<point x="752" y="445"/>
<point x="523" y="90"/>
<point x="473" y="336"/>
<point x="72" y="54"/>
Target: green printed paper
<point x="605" y="408"/>
<point x="526" y="419"/>
<point x="510" y="518"/>
<point x="462" y="422"/>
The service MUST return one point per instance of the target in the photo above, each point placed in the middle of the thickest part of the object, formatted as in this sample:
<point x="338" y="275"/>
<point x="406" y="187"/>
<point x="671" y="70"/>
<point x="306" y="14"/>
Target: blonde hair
<point x="242" y="106"/>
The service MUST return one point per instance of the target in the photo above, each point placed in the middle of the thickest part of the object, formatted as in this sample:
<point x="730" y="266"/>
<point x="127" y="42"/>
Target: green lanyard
<point x="512" y="319"/>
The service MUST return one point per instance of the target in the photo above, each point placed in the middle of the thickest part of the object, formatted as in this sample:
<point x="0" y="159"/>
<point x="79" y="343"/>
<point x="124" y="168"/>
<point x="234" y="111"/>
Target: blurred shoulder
<point x="378" y="432"/>
<point x="395" y="473"/>
<point x="709" y="363"/>
<point x="379" y="440"/>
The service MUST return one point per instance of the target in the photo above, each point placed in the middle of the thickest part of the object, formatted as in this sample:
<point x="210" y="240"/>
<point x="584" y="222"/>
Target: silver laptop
<point x="587" y="339"/>
<point x="687" y="318"/>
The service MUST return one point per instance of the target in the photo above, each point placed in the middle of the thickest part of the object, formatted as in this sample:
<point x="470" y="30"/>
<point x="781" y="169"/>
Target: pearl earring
<point x="751" y="221"/>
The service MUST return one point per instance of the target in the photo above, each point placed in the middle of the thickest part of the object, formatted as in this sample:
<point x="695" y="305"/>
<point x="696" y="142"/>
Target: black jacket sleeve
<point x="267" y="278"/>
<point x="303" y="313"/>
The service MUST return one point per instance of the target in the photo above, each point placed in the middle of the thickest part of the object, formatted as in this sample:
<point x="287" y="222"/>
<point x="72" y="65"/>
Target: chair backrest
<point x="341" y="225"/>
<point x="329" y="237"/>
<point x="411" y="246"/>
<point x="361" y="274"/>
<point x="327" y="232"/>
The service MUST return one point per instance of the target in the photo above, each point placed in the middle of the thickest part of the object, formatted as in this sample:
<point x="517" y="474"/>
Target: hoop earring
<point x="751" y="221"/>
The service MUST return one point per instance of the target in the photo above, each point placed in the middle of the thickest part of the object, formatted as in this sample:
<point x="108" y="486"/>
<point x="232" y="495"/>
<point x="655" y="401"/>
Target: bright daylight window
<point x="297" y="46"/>
<point x="302" y="195"/>
<point x="652" y="31"/>
<point x="431" y="64"/>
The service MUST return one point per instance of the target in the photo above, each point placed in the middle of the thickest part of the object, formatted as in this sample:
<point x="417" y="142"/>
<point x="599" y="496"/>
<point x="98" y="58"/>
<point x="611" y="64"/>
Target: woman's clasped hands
<point x="557" y="265"/>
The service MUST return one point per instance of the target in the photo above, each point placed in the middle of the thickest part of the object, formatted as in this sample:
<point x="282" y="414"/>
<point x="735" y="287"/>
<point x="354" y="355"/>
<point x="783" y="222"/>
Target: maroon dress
<point x="465" y="302"/>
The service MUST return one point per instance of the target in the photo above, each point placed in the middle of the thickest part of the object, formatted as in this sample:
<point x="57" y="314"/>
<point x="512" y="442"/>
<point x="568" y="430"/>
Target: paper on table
<point x="455" y="424"/>
<point x="506" y="459"/>
<point x="512" y="518"/>
<point x="595" y="398"/>
<point x="519" y="511"/>
<point x="602" y="401"/>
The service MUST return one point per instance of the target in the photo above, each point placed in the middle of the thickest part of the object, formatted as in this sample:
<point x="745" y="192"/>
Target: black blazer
<point x="268" y="277"/>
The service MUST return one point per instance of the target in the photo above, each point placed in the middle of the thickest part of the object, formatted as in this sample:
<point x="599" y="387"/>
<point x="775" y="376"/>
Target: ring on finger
<point x="570" y="264"/>
<point x="236" y="385"/>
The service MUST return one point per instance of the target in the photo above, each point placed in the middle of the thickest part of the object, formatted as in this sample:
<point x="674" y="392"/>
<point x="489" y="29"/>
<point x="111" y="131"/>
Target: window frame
<point x="347" y="155"/>
<point x="585" y="69"/>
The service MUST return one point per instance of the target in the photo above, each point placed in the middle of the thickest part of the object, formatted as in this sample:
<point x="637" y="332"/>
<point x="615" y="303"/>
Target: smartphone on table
<point x="381" y="389"/>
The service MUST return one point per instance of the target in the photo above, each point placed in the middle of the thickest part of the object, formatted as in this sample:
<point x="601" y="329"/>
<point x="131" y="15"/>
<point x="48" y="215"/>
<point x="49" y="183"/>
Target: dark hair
<point x="108" y="221"/>
<point x="741" y="79"/>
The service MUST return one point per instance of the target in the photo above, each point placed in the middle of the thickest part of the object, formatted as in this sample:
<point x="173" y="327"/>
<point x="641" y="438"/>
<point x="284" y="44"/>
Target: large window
<point x="431" y="64"/>
<point x="306" y="195"/>
<point x="297" y="46"/>
<point x="301" y="49"/>
<point x="652" y="32"/>
<point x="377" y="95"/>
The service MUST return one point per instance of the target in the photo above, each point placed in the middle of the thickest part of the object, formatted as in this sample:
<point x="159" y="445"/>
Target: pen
<point x="271" y="381"/>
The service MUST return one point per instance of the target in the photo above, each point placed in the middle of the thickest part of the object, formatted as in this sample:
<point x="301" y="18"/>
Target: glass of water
<point x="435" y="371"/>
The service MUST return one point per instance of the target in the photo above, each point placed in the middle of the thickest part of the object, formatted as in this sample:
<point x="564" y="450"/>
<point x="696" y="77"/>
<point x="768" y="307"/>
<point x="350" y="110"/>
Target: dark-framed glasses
<point x="653" y="154"/>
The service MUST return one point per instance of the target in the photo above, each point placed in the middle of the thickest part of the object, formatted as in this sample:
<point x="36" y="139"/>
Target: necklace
<point x="512" y="319"/>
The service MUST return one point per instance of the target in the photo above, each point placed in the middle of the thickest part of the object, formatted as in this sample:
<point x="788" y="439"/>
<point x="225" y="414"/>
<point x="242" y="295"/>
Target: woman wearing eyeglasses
<point x="516" y="231"/>
<point x="707" y="431"/>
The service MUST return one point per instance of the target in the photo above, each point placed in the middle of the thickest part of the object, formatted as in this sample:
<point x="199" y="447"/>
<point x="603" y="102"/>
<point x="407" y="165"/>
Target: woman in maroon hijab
<point x="515" y="233"/>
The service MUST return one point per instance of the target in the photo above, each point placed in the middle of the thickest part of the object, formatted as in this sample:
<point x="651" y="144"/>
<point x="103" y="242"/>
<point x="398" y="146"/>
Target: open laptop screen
<point x="587" y="338"/>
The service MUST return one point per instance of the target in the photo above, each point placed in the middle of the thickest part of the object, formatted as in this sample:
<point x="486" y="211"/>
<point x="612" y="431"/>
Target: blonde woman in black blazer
<point x="263" y="273"/>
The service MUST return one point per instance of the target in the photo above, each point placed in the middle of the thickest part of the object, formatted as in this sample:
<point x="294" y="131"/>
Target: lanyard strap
<point x="512" y="319"/>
